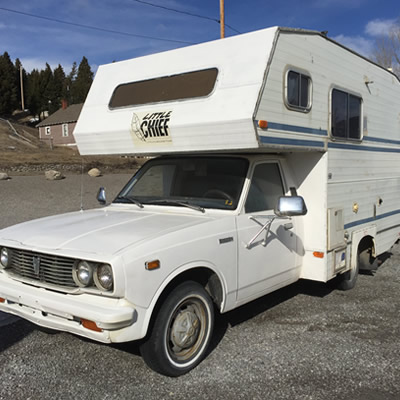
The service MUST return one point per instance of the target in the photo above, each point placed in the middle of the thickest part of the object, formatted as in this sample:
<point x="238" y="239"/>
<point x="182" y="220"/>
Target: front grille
<point x="45" y="268"/>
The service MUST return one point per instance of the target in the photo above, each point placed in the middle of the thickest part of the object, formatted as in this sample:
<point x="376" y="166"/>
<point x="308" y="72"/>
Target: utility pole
<point x="222" y="18"/>
<point x="22" y="88"/>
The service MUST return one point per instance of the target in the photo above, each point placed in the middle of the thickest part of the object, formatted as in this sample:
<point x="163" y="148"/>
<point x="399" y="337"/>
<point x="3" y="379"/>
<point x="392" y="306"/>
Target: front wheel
<point x="181" y="332"/>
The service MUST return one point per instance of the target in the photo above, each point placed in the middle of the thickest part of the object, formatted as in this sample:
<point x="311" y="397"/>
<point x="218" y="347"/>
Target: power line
<point x="93" y="27"/>
<point x="185" y="13"/>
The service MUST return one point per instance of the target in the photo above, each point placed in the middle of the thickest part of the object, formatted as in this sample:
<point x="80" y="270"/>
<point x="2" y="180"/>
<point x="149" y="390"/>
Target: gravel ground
<point x="306" y="341"/>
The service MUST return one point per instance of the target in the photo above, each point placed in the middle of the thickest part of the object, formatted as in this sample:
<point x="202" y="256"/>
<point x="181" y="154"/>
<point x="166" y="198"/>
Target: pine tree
<point x="59" y="85"/>
<point x="69" y="82"/>
<point x="8" y="86"/>
<point x="33" y="101"/>
<point x="83" y="81"/>
<point x="47" y="92"/>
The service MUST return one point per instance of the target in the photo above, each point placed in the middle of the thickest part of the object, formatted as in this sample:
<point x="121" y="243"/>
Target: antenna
<point x="82" y="184"/>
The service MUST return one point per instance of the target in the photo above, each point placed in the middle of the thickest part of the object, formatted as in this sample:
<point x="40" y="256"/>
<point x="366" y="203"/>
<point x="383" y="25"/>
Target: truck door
<point x="266" y="260"/>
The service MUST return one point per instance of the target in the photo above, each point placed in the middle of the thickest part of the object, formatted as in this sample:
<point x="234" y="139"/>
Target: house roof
<point x="63" y="116"/>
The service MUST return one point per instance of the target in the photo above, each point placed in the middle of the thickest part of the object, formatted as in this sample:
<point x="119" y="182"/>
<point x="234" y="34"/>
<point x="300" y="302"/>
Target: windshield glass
<point x="203" y="182"/>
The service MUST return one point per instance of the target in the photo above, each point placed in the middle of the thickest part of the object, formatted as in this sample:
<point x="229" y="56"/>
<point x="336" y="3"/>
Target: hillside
<point x="21" y="152"/>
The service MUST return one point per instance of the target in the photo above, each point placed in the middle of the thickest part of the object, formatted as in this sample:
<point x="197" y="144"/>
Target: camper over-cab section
<point x="272" y="90"/>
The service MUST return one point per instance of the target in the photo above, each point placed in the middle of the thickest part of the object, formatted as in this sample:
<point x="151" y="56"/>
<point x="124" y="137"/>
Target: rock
<point x="4" y="176"/>
<point x="94" y="172"/>
<point x="53" y="175"/>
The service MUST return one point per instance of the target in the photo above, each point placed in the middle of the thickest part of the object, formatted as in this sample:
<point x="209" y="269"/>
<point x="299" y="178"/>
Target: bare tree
<point x="387" y="50"/>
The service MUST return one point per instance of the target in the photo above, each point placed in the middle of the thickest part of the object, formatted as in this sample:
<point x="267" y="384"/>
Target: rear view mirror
<point x="290" y="206"/>
<point x="101" y="196"/>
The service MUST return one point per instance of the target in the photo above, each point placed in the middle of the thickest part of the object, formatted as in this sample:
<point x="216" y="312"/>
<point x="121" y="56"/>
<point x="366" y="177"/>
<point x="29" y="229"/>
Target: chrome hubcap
<point x="187" y="330"/>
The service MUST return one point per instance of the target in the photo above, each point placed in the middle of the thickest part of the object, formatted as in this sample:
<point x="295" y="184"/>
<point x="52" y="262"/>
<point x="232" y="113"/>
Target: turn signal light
<point x="2" y="300"/>
<point x="91" y="325"/>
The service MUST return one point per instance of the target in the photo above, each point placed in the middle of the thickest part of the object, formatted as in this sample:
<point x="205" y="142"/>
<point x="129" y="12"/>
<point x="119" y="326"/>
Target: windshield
<point x="202" y="182"/>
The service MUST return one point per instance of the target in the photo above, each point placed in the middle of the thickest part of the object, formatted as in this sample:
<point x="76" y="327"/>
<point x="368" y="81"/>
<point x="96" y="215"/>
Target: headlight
<point x="103" y="277"/>
<point x="83" y="273"/>
<point x="5" y="257"/>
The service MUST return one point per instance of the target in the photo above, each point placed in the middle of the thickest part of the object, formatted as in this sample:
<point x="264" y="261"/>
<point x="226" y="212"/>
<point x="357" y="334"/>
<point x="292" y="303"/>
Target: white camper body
<point x="253" y="124"/>
<point x="351" y="186"/>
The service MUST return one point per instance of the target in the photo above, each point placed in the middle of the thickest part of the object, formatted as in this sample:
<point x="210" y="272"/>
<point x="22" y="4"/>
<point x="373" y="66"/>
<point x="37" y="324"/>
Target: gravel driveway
<point x="306" y="341"/>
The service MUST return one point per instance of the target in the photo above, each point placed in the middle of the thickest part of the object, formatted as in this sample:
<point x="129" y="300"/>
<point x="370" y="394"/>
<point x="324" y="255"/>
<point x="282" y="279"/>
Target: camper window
<point x="346" y="115"/>
<point x="298" y="91"/>
<point x="188" y="85"/>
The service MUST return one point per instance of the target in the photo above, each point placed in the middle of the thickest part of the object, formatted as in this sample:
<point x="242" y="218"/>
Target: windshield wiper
<point x="177" y="203"/>
<point x="130" y="200"/>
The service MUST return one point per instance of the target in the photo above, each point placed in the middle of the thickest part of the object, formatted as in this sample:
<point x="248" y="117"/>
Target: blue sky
<point x="354" y="23"/>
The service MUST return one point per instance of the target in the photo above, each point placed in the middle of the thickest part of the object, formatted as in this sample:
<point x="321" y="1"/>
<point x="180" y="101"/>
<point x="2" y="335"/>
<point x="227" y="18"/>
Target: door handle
<point x="288" y="226"/>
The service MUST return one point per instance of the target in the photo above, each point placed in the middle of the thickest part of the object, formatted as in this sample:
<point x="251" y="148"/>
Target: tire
<point x="181" y="332"/>
<point x="367" y="261"/>
<point x="348" y="280"/>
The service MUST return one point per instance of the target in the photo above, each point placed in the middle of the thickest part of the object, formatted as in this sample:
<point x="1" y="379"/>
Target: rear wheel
<point x="181" y="332"/>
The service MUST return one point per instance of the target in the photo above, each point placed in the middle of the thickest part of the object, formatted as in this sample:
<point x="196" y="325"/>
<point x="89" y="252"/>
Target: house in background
<point x="58" y="129"/>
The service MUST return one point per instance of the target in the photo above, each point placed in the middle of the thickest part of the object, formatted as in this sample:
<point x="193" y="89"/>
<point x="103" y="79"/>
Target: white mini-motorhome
<point x="278" y="161"/>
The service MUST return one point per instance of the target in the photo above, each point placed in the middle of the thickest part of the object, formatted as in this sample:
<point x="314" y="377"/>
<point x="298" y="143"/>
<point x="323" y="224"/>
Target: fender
<point x="178" y="271"/>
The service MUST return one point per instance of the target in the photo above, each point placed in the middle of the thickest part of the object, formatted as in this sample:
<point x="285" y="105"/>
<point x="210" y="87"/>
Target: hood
<point x="102" y="231"/>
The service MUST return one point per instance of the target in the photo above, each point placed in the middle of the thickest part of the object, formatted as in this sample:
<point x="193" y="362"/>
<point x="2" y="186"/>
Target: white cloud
<point x="39" y="63"/>
<point x="380" y="27"/>
<point x="359" y="44"/>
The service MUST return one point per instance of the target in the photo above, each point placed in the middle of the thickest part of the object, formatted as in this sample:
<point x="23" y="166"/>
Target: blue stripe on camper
<point x="380" y="140"/>
<point x="371" y="219"/>
<point x="291" y="142"/>
<point x="295" y="128"/>
<point x="347" y="146"/>
<point x="324" y="133"/>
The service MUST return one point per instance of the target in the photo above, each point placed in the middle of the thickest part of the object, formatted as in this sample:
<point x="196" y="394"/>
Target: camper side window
<point x="346" y="115"/>
<point x="298" y="91"/>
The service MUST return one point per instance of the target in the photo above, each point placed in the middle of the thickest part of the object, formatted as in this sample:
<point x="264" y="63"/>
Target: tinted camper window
<point x="168" y="88"/>
<point x="346" y="115"/>
<point x="298" y="93"/>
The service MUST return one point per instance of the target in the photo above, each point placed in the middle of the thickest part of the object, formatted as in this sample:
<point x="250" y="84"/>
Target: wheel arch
<point x="203" y="274"/>
<point x="362" y="240"/>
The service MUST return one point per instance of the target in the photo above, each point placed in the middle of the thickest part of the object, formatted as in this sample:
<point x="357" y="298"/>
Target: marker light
<point x="150" y="265"/>
<point x="318" y="254"/>
<point x="263" y="124"/>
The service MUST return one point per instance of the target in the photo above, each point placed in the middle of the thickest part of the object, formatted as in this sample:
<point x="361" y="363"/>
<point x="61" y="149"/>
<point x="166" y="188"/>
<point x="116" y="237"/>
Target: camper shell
<point x="278" y="160"/>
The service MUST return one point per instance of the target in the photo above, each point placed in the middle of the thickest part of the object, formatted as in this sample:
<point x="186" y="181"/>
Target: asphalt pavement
<point x="306" y="341"/>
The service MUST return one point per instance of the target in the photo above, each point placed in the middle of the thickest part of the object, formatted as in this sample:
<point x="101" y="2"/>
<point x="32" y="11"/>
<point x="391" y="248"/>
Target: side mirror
<point x="290" y="206"/>
<point x="101" y="196"/>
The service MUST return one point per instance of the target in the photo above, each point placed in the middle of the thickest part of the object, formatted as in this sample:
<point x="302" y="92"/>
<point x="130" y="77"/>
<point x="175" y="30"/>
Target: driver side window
<point x="265" y="189"/>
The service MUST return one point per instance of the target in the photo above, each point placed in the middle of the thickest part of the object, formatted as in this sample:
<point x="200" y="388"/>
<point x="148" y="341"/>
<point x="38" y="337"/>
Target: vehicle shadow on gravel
<point x="265" y="303"/>
<point x="269" y="301"/>
<point x="14" y="333"/>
